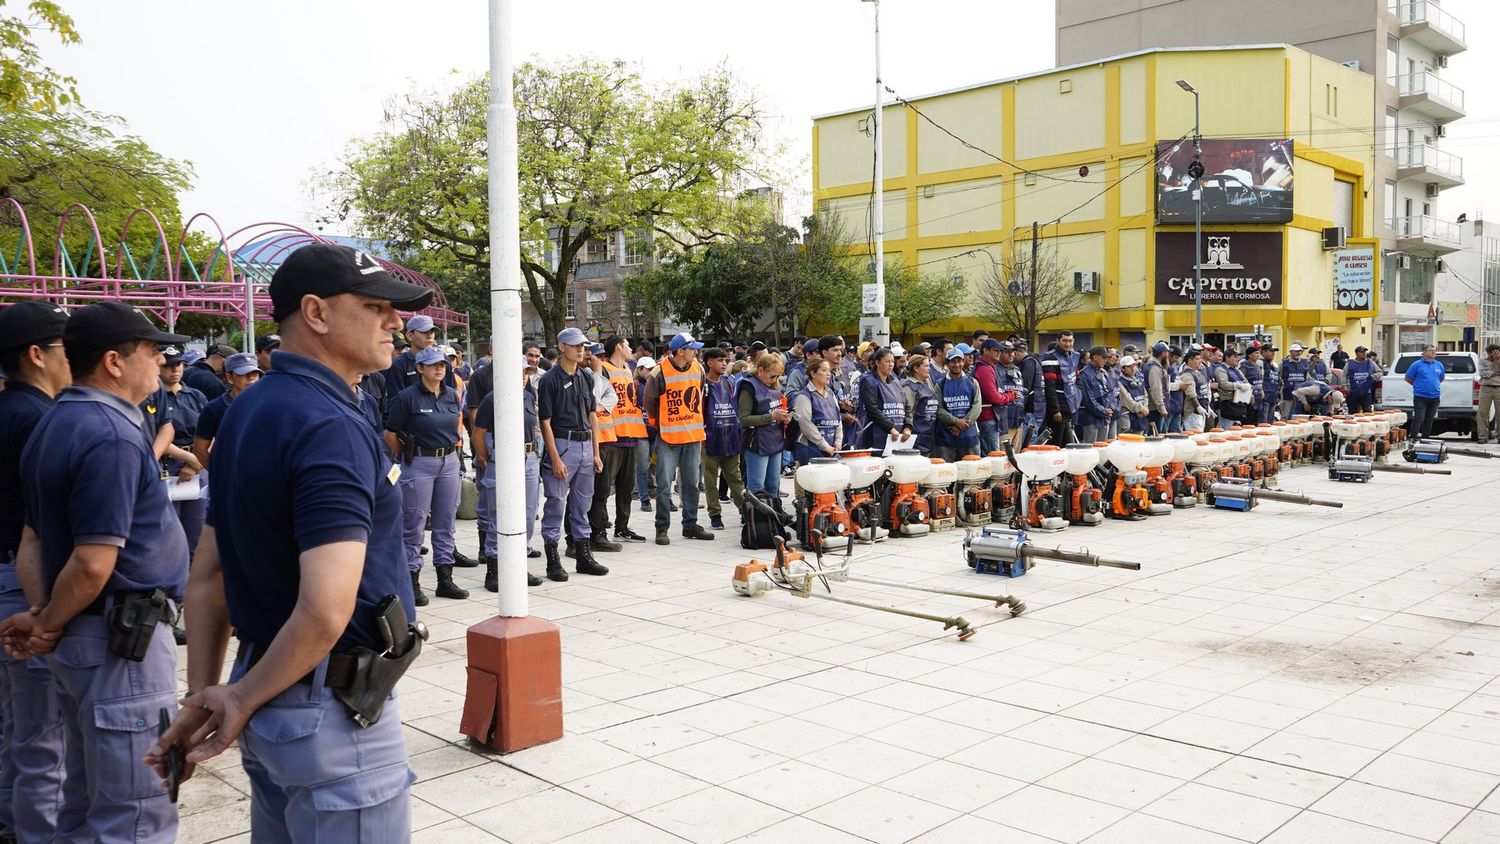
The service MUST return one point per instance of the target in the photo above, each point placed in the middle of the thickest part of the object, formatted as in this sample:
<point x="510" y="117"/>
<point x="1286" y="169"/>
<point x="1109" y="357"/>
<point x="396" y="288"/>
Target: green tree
<point x="1027" y="288"/>
<point x="727" y="287"/>
<point x="914" y="298"/>
<point x="600" y="151"/>
<point x="25" y="82"/>
<point x="828" y="281"/>
<point x="50" y="160"/>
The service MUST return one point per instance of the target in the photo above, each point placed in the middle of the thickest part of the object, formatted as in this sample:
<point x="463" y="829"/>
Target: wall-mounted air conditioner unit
<point x="1403" y="262"/>
<point x="1333" y="237"/>
<point x="1439" y="131"/>
<point x="1433" y="190"/>
<point x="1439" y="61"/>
<point x="1086" y="282"/>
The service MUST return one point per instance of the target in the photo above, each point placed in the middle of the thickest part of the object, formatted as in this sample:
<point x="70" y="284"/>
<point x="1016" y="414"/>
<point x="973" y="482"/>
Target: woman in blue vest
<point x="763" y="418"/>
<point x="922" y="399"/>
<point x="816" y="411"/>
<point x="884" y="404"/>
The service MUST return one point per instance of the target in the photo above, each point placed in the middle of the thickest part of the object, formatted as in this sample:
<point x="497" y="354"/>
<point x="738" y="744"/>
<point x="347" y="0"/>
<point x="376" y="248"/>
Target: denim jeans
<point x="643" y="450"/>
<point x="1033" y="425"/>
<point x="1424" y="411"/>
<point x="764" y="473"/>
<point x="1174" y="423"/>
<point x="670" y="458"/>
<point x="989" y="436"/>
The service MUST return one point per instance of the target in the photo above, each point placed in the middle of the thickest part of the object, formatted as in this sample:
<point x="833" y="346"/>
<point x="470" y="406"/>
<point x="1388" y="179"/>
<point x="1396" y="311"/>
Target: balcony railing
<point x="1429" y="83"/>
<point x="1426" y="228"/>
<point x="1430" y="13"/>
<point x="1429" y="156"/>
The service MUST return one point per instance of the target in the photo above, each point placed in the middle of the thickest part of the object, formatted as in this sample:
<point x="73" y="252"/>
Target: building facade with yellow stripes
<point x="1095" y="154"/>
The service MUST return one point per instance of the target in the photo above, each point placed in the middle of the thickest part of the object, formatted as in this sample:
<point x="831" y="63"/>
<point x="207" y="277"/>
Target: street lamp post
<point x="878" y="188"/>
<point x="1196" y="171"/>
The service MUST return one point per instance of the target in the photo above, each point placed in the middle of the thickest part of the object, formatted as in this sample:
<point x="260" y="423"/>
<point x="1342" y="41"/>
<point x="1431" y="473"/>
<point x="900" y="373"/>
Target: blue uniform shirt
<point x="568" y="401"/>
<point x="90" y="479"/>
<point x="201" y="377"/>
<point x="211" y="417"/>
<point x="21" y="407"/>
<point x="432" y="421"/>
<point x="1426" y="378"/>
<point x="297" y="467"/>
<point x="156" y="411"/>
<point x="183" y="409"/>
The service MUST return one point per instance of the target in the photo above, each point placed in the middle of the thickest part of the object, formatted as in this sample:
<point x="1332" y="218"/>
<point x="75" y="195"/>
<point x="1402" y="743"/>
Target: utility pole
<point x="1196" y="171"/>
<point x="1031" y="292"/>
<point x="879" y="327"/>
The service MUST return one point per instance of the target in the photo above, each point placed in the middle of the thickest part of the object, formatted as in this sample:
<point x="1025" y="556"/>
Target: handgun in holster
<point x="376" y="674"/>
<point x="408" y="448"/>
<point x="132" y="621"/>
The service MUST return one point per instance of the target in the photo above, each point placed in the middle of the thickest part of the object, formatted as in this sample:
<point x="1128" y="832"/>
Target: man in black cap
<point x="31" y="354"/>
<point x="304" y="562"/>
<point x="207" y="375"/>
<point x="265" y="344"/>
<point x="103" y="551"/>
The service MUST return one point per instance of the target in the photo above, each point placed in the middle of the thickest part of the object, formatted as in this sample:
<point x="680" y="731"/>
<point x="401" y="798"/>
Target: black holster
<point x="376" y="674"/>
<point x="132" y="621"/>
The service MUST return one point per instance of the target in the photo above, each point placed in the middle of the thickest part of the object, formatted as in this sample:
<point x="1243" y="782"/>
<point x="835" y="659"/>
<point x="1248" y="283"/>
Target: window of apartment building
<point x="598" y="310"/>
<point x="597" y="250"/>
<point x="1331" y="100"/>
<point x="1343" y="206"/>
<point x="1390" y="131"/>
<point x="573" y="303"/>
<point x="1417" y="280"/>
<point x="1389" y="276"/>
<point x="1390" y="203"/>
<point x="637" y="247"/>
<point x="1392" y="56"/>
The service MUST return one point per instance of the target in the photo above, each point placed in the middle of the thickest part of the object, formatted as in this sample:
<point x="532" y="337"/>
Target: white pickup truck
<point x="1460" y="393"/>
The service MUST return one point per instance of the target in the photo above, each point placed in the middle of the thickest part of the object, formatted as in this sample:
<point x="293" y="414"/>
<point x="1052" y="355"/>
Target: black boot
<point x="417" y="594"/>
<point x="600" y="542"/>
<point x="570" y="550"/>
<point x="586" y="563"/>
<point x="492" y="574"/>
<point x="464" y="561"/>
<point x="555" y="571"/>
<point x="446" y="588"/>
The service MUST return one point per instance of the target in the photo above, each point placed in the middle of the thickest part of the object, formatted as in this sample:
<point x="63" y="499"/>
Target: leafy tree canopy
<point x="25" y="82"/>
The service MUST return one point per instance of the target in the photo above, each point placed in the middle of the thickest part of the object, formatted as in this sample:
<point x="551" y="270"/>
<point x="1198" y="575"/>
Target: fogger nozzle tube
<point x="1410" y="470"/>
<point x="1082" y="558"/>
<point x="1297" y="498"/>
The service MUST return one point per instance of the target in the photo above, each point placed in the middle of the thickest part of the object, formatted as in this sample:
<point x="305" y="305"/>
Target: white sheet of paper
<point x="190" y="491"/>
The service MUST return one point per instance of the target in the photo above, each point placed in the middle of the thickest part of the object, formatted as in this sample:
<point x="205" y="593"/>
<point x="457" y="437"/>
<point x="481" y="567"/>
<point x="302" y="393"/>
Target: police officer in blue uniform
<point x="107" y="561"/>
<point x="31" y="755"/>
<point x="205" y="375"/>
<point x="421" y="431"/>
<point x="303" y="560"/>
<point x="484" y="449"/>
<point x="570" y="456"/>
<point x="241" y="371"/>
<point x="180" y="406"/>
<point x="422" y="334"/>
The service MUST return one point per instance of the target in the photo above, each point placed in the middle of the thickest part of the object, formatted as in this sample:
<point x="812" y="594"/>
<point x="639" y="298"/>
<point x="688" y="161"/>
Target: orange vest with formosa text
<point x="627" y="413"/>
<point x="679" y="416"/>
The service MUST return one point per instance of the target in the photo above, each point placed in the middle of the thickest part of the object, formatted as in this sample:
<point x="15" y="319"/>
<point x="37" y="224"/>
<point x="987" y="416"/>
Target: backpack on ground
<point x="761" y="523"/>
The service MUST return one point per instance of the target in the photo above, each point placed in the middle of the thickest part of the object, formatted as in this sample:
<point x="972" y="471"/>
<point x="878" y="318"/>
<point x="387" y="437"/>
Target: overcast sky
<point x="260" y="95"/>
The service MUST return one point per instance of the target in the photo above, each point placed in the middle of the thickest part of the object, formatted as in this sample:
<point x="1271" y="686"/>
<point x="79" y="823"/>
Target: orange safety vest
<point x="627" y="416"/>
<point x="606" y="421"/>
<point x="679" y="415"/>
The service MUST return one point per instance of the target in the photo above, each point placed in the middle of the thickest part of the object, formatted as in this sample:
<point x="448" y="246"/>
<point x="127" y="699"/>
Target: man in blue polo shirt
<point x="108" y="562"/>
<point x="305" y="564"/>
<point x="31" y="757"/>
<point x="206" y="375"/>
<point x="1425" y="375"/>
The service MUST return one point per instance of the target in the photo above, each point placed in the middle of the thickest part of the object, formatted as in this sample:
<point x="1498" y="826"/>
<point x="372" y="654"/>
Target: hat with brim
<point x="171" y="356"/>
<point x="572" y="337"/>
<point x="242" y="363"/>
<point x="27" y="324"/>
<point x="106" y="324"/>
<point x="431" y="355"/>
<point x="329" y="269"/>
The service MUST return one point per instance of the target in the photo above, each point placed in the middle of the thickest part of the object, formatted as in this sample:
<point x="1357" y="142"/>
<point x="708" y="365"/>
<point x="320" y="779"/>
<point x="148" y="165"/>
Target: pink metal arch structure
<point x="231" y="280"/>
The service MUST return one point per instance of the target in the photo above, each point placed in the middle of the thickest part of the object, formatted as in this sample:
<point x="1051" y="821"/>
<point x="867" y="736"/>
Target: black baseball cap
<point x="105" y="324"/>
<point x="328" y="269"/>
<point x="267" y="341"/>
<point x="27" y="324"/>
<point x="223" y="350"/>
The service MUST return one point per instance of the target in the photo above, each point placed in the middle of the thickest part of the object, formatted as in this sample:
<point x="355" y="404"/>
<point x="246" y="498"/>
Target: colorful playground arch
<point x="231" y="279"/>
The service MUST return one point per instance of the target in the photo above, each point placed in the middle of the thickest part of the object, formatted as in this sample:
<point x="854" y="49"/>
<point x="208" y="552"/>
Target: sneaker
<point x="697" y="532"/>
<point x="716" y="522"/>
<point x="645" y="506"/>
<point x="662" y="538"/>
<point x="628" y="535"/>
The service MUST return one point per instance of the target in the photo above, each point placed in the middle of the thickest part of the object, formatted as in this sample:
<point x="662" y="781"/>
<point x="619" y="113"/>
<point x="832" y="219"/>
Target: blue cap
<point x="810" y="346"/>
<point x="420" y="322"/>
<point x="571" y="337"/>
<point x="596" y="348"/>
<point x="965" y="348"/>
<point x="990" y="343"/>
<point x="241" y="363"/>
<point x="954" y="353"/>
<point x="191" y="356"/>
<point x="1160" y="347"/>
<point x="431" y="355"/>
<point x="684" y="340"/>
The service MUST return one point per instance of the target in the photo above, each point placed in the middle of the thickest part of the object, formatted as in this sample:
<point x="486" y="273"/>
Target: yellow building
<point x="1076" y="150"/>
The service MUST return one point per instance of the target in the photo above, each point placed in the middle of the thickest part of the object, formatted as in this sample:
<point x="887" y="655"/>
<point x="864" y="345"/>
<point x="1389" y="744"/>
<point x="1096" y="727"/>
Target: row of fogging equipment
<point x="860" y="495"/>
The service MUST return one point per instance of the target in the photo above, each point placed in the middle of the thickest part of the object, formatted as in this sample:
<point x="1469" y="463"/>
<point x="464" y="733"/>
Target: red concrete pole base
<point x="514" y="695"/>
